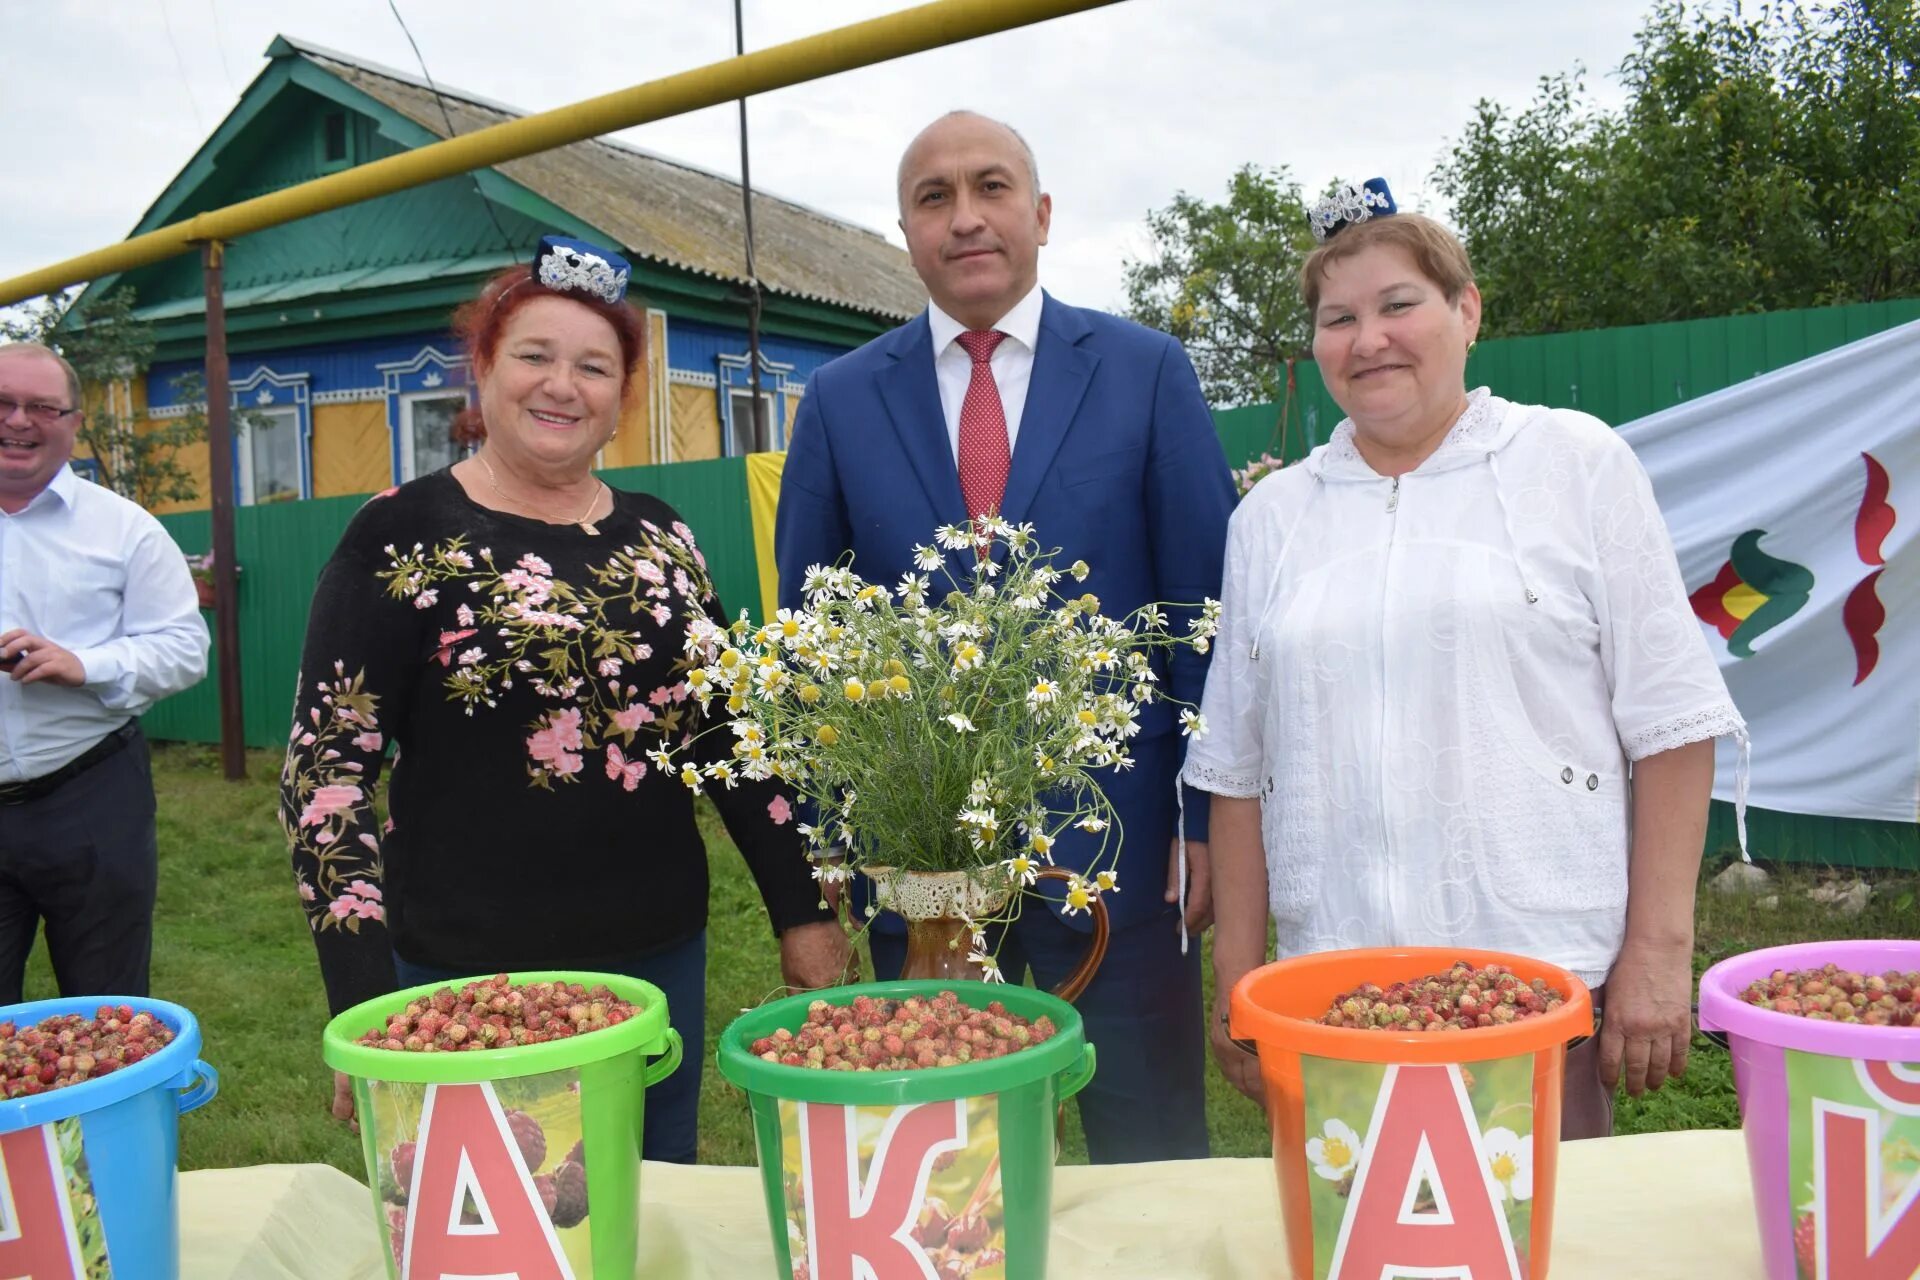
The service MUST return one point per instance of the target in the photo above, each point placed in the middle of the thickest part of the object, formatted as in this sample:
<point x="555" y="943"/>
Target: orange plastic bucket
<point x="1401" y="1152"/>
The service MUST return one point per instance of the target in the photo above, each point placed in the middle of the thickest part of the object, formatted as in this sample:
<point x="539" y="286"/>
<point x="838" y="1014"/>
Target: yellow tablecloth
<point x="1650" y="1207"/>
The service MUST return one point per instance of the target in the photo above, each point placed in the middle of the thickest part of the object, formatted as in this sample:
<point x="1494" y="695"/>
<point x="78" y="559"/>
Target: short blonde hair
<point x="41" y="349"/>
<point x="1434" y="249"/>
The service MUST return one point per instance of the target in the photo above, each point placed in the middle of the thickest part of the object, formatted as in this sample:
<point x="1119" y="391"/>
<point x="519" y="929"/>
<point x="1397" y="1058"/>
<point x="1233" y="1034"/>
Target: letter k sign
<point x="863" y="1230"/>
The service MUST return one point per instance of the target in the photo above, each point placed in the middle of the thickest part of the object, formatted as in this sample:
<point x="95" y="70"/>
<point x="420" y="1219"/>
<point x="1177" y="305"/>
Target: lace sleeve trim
<point x="1219" y="782"/>
<point x="1696" y="726"/>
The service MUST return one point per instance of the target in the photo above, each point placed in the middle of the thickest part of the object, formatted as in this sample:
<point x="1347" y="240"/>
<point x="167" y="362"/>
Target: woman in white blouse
<point x="1459" y="696"/>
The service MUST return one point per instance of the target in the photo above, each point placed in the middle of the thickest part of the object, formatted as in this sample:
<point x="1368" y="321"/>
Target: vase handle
<point x="1077" y="981"/>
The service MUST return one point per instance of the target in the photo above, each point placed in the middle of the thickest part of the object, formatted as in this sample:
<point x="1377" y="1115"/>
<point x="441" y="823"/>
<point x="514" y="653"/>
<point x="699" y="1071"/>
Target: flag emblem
<point x="1752" y="594"/>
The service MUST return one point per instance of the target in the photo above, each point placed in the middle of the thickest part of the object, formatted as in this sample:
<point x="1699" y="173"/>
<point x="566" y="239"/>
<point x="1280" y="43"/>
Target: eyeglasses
<point x="38" y="410"/>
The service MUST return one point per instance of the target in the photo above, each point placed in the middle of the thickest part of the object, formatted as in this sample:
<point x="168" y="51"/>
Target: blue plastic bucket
<point x="90" y="1168"/>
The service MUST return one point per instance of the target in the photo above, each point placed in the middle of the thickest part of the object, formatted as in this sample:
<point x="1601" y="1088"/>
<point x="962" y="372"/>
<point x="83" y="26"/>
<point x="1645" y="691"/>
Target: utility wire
<point x="448" y="118"/>
<point x="220" y="46"/>
<point x="185" y="81"/>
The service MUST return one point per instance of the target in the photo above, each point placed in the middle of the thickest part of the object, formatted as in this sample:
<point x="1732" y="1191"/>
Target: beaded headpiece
<point x="1350" y="205"/>
<point x="574" y="266"/>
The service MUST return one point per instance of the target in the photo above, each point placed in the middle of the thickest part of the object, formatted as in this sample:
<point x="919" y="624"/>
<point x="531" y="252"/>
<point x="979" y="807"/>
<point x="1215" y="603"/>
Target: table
<point x="1654" y="1206"/>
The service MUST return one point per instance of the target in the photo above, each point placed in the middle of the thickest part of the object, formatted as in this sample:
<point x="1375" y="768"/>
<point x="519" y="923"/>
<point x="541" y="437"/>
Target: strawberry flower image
<point x="1336" y="1152"/>
<point x="1510" y="1157"/>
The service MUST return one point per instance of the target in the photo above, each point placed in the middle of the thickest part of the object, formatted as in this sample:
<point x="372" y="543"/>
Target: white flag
<point x="1793" y="500"/>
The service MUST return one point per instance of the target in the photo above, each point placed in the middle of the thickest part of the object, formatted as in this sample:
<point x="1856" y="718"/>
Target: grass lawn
<point x="231" y="944"/>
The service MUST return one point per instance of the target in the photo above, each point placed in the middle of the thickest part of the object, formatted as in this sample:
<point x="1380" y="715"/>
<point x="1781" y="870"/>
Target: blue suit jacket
<point x="1117" y="463"/>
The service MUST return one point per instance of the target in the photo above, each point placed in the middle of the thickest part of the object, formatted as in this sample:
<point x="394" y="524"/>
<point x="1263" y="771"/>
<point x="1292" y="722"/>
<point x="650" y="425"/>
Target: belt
<point x="46" y="784"/>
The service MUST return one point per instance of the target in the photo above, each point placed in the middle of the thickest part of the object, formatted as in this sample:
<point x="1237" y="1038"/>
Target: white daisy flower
<point x="989" y="967"/>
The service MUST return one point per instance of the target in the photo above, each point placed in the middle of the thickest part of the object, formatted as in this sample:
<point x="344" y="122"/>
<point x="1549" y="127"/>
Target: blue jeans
<point x="672" y="1122"/>
<point x="1148" y="1100"/>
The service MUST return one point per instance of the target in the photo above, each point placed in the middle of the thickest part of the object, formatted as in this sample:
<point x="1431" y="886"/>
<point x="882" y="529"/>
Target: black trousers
<point x="85" y="859"/>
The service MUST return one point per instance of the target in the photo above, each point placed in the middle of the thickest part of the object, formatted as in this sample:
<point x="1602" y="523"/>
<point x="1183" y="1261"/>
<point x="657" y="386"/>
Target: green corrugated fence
<point x="282" y="548"/>
<point x="1615" y="374"/>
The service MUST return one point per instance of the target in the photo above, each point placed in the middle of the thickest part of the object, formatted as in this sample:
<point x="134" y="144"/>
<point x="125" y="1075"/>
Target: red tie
<point x="984" y="457"/>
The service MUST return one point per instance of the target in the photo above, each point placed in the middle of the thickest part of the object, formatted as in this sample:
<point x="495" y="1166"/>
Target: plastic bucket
<point x="90" y="1168"/>
<point x="501" y="1160"/>
<point x="1831" y="1114"/>
<point x="1409" y="1153"/>
<point x="888" y="1175"/>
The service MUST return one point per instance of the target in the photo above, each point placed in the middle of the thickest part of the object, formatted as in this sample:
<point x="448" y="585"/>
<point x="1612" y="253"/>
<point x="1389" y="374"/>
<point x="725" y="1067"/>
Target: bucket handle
<point x="1079" y="1075"/>
<point x="197" y="1085"/>
<point x="1078" y="980"/>
<point x="665" y="1065"/>
<point x="1713" y="1037"/>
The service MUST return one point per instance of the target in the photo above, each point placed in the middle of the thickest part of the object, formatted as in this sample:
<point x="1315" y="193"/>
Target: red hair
<point x="478" y="326"/>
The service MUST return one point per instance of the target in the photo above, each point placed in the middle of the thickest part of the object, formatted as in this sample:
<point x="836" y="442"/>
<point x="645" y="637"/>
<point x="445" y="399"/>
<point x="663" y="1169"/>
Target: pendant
<point x="590" y="527"/>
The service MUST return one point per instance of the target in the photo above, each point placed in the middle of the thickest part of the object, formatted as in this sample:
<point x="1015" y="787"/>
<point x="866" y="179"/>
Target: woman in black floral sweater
<point x="512" y="628"/>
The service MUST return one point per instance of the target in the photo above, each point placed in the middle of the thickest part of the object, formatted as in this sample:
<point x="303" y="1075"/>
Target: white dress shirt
<point x="94" y="573"/>
<point x="1012" y="364"/>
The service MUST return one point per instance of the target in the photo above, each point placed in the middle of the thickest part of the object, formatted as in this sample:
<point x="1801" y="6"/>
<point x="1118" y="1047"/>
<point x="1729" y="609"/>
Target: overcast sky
<point x="103" y="103"/>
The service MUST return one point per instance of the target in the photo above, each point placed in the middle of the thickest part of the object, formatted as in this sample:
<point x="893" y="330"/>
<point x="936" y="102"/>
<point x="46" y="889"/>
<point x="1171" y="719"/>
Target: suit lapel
<point x="912" y="398"/>
<point x="1061" y="371"/>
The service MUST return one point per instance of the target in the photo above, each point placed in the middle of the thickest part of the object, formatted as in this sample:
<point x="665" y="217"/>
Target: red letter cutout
<point x="37" y="1238"/>
<point x="1853" y="1237"/>
<point x="864" y="1232"/>
<point x="466" y="1148"/>
<point x="1423" y="1129"/>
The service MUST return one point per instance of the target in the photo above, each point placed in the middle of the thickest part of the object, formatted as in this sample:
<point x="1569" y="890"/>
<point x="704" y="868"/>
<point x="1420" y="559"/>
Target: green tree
<point x="1761" y="161"/>
<point x="111" y="349"/>
<point x="1225" y="280"/>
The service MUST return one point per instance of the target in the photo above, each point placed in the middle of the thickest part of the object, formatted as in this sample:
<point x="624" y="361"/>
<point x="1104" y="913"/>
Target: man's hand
<point x="1242" y="1069"/>
<point x="1199" y="883"/>
<point x="815" y="955"/>
<point x="1648" y="1019"/>
<point x="29" y="659"/>
<point x="343" y="1100"/>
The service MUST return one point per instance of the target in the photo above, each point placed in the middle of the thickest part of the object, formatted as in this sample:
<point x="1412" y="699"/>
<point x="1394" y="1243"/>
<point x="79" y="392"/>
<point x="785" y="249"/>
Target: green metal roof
<point x="397" y="262"/>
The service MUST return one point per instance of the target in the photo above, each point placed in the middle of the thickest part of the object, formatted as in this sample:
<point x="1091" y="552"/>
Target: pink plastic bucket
<point x="1819" y="1103"/>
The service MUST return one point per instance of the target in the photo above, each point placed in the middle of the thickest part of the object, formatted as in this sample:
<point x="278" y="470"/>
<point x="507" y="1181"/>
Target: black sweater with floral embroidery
<point x="521" y="671"/>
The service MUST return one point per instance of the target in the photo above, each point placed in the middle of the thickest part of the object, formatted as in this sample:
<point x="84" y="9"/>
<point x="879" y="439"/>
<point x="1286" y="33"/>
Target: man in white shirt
<point x="1001" y="398"/>
<point x="98" y="620"/>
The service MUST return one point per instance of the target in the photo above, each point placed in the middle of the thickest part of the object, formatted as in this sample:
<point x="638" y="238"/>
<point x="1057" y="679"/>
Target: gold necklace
<point x="581" y="520"/>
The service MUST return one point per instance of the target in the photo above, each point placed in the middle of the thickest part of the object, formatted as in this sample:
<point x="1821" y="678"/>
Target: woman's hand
<point x="1648" y="1019"/>
<point x="815" y="955"/>
<point x="1242" y="1069"/>
<point x="1199" y="884"/>
<point x="343" y="1100"/>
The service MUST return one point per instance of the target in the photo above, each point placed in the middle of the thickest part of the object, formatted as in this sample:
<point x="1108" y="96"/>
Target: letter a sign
<point x="467" y="1153"/>
<point x="862" y="1229"/>
<point x="37" y="1237"/>
<point x="1423" y="1132"/>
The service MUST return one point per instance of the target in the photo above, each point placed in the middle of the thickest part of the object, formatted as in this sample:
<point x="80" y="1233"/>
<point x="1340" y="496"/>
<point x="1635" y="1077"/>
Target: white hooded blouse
<point x="1435" y="685"/>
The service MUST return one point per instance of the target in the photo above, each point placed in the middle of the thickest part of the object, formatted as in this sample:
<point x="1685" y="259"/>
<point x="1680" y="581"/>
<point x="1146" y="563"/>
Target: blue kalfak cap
<point x="1350" y="205"/>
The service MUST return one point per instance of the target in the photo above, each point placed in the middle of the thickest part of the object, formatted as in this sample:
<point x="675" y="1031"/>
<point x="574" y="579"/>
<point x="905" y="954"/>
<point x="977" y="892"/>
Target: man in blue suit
<point x="1001" y="398"/>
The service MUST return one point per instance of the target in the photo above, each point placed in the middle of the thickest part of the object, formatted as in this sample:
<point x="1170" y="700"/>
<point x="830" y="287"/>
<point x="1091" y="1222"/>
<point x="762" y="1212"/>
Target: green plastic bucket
<point x="892" y="1175"/>
<point x="497" y="1162"/>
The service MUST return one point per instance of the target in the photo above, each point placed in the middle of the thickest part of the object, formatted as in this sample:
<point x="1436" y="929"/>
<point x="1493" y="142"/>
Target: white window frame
<point x="409" y="468"/>
<point x="741" y="398"/>
<point x="287" y="418"/>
